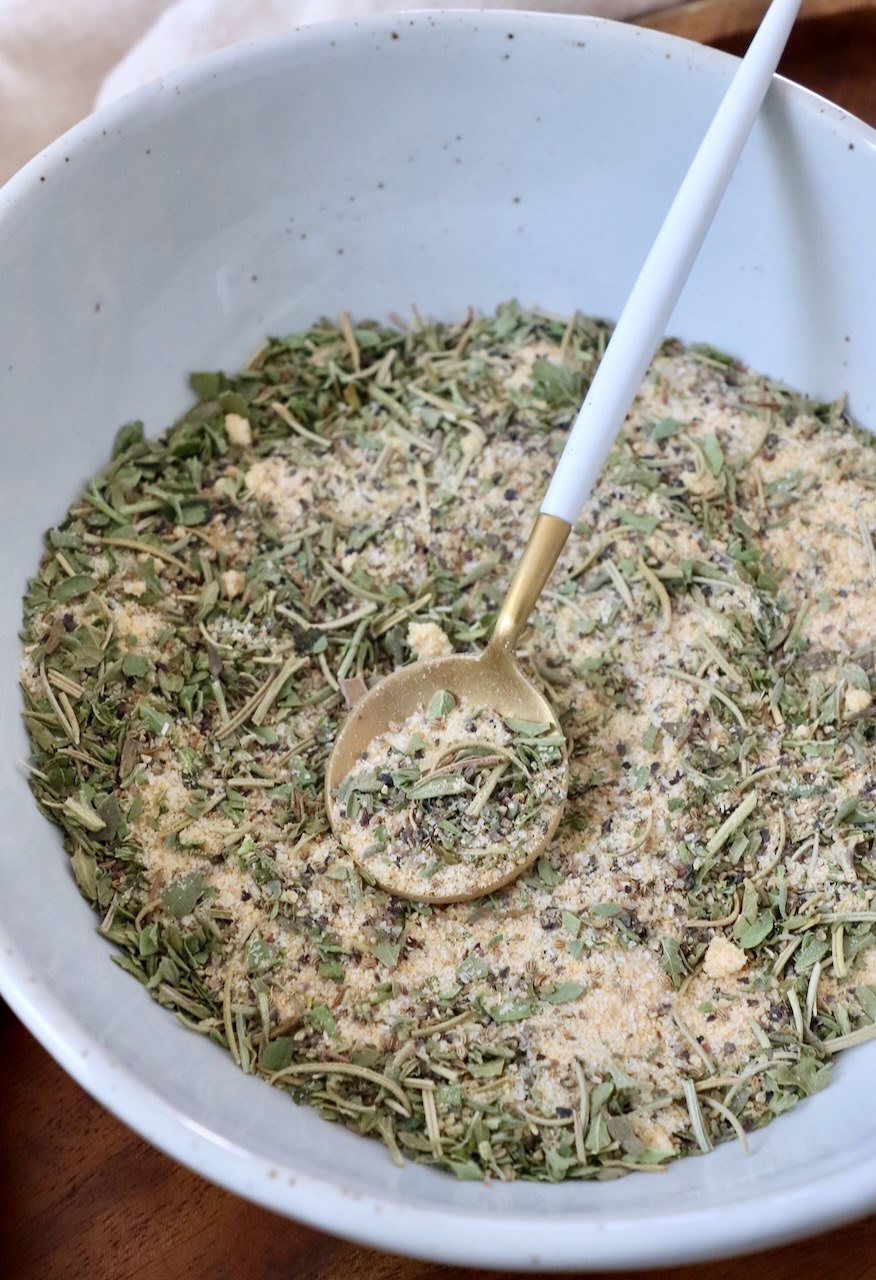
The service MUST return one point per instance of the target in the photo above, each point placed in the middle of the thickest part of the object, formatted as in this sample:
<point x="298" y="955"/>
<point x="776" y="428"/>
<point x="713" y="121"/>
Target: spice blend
<point x="695" y="946"/>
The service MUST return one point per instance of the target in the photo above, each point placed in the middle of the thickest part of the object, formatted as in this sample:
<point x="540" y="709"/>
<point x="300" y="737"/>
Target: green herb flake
<point x="665" y="429"/>
<point x="260" y="955"/>
<point x="440" y="704"/>
<point x="512" y="1010"/>
<point x="278" y="1054"/>
<point x="181" y="896"/>
<point x="472" y="969"/>
<point x="571" y="923"/>
<point x="563" y="993"/>
<point x="866" y="997"/>
<point x="135" y="665"/>
<point x="548" y="876"/>
<point x="644" y="524"/>
<point x="673" y="962"/>
<point x="80" y="584"/>
<point x="323" y="1019"/>
<point x="713" y="453"/>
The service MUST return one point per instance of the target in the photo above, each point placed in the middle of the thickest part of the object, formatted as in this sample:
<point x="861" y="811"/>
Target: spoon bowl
<point x="491" y="680"/>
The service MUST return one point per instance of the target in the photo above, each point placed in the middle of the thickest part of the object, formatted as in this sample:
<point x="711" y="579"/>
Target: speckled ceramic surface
<point x="444" y="161"/>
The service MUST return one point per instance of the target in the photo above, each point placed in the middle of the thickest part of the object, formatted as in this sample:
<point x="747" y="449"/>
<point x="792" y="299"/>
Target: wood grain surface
<point x="713" y="20"/>
<point x="82" y="1196"/>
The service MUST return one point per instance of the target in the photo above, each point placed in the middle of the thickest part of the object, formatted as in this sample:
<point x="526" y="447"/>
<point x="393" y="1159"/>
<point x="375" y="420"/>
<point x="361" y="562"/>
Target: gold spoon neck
<point x="542" y="550"/>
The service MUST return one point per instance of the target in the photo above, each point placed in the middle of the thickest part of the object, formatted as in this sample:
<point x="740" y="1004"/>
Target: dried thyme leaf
<point x="181" y="897"/>
<point x="127" y="437"/>
<point x="322" y="1018"/>
<point x="440" y="704"/>
<point x="673" y="962"/>
<point x="866" y="997"/>
<point x="277" y="1054"/>
<point x="713" y="453"/>
<point x="562" y="993"/>
<point x="512" y="1010"/>
<point x="72" y="588"/>
<point x="472" y="969"/>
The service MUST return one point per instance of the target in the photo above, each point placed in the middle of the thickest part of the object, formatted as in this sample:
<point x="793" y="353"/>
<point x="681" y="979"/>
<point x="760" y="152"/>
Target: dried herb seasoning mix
<point x="696" y="945"/>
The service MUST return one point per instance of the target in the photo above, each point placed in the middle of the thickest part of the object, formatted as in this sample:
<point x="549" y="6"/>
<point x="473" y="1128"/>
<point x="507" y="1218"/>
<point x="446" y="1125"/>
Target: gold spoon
<point x="490" y="679"/>
<point x="493" y="679"/>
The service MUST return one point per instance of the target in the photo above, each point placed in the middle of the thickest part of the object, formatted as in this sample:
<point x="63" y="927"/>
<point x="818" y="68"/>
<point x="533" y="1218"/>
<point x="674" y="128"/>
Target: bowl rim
<point x="379" y="1221"/>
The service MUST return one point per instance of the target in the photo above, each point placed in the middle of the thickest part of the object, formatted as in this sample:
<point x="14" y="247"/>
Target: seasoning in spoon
<point x="454" y="802"/>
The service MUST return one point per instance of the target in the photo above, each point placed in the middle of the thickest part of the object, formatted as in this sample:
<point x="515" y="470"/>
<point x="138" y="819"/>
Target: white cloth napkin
<point x="53" y="56"/>
<point x="60" y="58"/>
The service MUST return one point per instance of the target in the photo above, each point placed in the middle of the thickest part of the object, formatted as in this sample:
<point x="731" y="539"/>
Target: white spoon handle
<point x="644" y="318"/>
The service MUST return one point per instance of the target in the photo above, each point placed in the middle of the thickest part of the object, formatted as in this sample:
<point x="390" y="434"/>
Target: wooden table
<point x="84" y="1197"/>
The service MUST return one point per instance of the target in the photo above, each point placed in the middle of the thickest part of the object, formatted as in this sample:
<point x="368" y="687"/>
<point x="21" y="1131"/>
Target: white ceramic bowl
<point x="442" y="160"/>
